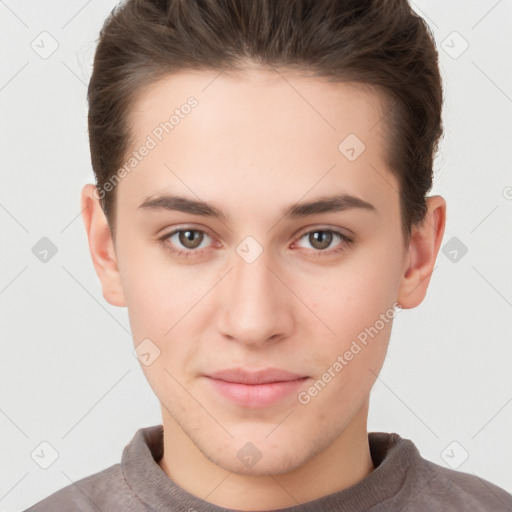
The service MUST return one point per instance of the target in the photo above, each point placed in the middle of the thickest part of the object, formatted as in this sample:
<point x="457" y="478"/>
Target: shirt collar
<point x="391" y="454"/>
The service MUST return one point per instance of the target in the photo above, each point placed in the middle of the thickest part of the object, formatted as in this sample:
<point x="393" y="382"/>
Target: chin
<point x="273" y="464"/>
<point x="257" y="458"/>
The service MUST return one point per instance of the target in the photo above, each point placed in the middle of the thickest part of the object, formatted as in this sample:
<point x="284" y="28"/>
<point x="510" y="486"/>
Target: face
<point x="246" y="281"/>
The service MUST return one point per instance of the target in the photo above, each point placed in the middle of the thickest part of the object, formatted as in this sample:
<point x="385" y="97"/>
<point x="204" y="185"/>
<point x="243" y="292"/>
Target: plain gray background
<point x="68" y="374"/>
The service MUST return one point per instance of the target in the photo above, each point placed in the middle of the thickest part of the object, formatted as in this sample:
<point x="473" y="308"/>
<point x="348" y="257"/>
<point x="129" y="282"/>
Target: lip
<point x="268" y="375"/>
<point x="255" y="389"/>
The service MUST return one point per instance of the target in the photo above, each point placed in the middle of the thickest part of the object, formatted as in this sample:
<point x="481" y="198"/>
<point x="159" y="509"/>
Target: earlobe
<point x="101" y="246"/>
<point x="423" y="249"/>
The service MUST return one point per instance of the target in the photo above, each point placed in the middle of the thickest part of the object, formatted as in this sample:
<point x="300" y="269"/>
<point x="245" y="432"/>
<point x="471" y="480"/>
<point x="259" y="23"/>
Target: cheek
<point x="351" y="300"/>
<point x="165" y="305"/>
<point x="355" y="301"/>
<point x="154" y="299"/>
<point x="154" y="286"/>
<point x="160" y="304"/>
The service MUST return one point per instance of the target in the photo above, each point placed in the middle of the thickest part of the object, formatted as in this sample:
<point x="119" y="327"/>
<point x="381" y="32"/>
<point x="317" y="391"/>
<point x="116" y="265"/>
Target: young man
<point x="260" y="208"/>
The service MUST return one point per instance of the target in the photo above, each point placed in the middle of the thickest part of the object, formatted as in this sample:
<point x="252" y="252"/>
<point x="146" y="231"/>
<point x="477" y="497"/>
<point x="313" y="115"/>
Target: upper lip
<point x="241" y="376"/>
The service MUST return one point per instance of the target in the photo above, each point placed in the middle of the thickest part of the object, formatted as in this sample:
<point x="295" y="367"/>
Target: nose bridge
<point x="251" y="274"/>
<point x="256" y="308"/>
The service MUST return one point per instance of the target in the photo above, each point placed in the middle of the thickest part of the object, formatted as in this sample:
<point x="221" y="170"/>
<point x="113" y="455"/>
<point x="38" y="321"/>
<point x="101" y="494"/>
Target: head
<point x="248" y="109"/>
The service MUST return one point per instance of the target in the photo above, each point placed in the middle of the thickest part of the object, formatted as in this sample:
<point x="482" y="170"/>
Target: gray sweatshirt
<point x="401" y="481"/>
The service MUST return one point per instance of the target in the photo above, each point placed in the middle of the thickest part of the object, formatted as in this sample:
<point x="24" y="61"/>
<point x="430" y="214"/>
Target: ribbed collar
<point x="391" y="454"/>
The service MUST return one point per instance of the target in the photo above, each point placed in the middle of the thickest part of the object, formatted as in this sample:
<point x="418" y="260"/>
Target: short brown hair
<point x="380" y="43"/>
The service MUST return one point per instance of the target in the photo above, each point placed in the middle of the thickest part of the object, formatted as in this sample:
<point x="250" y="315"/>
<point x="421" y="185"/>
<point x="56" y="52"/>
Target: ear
<point x="101" y="246"/>
<point x="422" y="253"/>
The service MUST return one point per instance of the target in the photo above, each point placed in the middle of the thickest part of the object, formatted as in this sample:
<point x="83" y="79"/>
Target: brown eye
<point x="325" y="242"/>
<point x="320" y="239"/>
<point x="186" y="242"/>
<point x="190" y="238"/>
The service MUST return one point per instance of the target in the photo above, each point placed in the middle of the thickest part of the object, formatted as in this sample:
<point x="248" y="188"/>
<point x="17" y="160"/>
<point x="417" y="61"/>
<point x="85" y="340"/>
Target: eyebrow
<point x="324" y="204"/>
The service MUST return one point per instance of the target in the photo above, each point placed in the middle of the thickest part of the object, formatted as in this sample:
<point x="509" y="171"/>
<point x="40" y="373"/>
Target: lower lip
<point x="256" y="395"/>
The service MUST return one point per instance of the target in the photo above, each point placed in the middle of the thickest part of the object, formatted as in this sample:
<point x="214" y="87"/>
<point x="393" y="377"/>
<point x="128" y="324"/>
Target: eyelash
<point x="346" y="242"/>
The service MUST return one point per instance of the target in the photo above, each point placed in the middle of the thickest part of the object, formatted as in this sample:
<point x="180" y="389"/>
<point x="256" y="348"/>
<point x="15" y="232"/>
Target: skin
<point x="252" y="147"/>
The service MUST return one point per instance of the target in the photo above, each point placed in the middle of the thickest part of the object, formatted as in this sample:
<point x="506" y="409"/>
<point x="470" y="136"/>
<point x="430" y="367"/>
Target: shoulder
<point x="105" y="490"/>
<point x="443" y="489"/>
<point x="418" y="484"/>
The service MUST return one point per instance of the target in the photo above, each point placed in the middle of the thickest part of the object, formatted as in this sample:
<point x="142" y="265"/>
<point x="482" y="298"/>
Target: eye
<point x="321" y="239"/>
<point x="184" y="241"/>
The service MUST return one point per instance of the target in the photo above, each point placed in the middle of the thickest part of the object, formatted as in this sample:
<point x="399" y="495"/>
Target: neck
<point x="344" y="463"/>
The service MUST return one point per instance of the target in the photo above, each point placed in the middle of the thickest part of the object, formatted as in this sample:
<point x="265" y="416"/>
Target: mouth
<point x="256" y="389"/>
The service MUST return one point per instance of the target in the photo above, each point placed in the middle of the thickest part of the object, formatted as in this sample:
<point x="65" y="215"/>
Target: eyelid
<point x="333" y="229"/>
<point x="188" y="227"/>
<point x="346" y="240"/>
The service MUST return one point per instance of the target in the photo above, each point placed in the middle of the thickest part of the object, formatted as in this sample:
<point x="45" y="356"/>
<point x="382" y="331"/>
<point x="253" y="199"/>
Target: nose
<point x="257" y="306"/>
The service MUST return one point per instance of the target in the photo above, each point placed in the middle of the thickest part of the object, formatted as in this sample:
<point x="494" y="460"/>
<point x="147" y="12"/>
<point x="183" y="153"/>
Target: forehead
<point x="256" y="129"/>
<point x="271" y="96"/>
